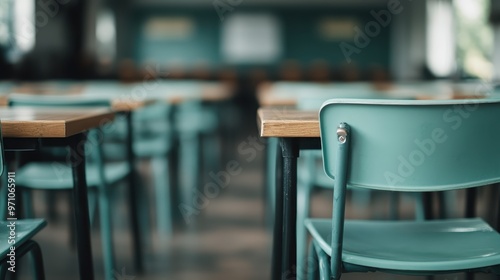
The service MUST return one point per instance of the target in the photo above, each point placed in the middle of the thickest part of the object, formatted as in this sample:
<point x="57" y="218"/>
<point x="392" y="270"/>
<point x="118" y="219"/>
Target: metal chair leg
<point x="106" y="232"/>
<point x="303" y="198"/>
<point x="160" y="166"/>
<point x="324" y="264"/>
<point x="313" y="263"/>
<point x="3" y="271"/>
<point x="36" y="253"/>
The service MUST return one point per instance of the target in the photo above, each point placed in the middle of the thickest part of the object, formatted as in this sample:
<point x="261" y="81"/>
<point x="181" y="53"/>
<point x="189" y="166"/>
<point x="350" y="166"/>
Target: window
<point x="17" y="27"/>
<point x="474" y="38"/>
<point x="440" y="37"/>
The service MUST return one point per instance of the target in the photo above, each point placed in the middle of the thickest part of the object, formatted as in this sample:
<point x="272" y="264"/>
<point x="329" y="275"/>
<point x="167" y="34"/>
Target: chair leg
<point x="27" y="199"/>
<point x="271" y="154"/>
<point x="469" y="276"/>
<point x="33" y="248"/>
<point x="3" y="197"/>
<point x="303" y="199"/>
<point x="3" y="271"/>
<point x="211" y="152"/>
<point x="189" y="170"/>
<point x="313" y="263"/>
<point x="324" y="265"/>
<point x="106" y="232"/>
<point x="92" y="205"/>
<point x="38" y="269"/>
<point x="161" y="181"/>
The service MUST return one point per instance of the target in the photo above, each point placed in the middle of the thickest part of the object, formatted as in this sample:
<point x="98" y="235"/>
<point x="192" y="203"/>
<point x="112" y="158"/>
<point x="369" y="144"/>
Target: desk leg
<point x="133" y="197"/>
<point x="290" y="150"/>
<point x="428" y="201"/>
<point x="81" y="208"/>
<point x="277" y="186"/>
<point x="470" y="202"/>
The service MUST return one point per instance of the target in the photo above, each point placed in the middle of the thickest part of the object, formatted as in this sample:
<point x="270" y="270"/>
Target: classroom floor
<point x="229" y="241"/>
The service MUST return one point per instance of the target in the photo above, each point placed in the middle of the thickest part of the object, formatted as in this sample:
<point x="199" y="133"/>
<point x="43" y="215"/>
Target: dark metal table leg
<point x="470" y="202"/>
<point x="290" y="150"/>
<point x="133" y="197"/>
<point x="81" y="207"/>
<point x="427" y="200"/>
<point x="277" y="256"/>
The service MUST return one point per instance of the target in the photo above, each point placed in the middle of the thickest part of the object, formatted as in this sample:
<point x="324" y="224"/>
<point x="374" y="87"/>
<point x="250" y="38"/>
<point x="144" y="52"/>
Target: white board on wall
<point x="251" y="38"/>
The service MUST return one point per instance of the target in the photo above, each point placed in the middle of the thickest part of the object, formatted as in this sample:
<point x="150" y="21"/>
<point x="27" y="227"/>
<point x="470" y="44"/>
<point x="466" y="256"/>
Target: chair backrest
<point x="427" y="145"/>
<point x="406" y="145"/>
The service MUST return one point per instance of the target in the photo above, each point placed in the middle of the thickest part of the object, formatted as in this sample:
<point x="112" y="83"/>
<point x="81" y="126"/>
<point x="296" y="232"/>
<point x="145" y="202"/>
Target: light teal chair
<point x="310" y="168"/>
<point x="24" y="231"/>
<point x="152" y="141"/>
<point x="193" y="121"/>
<point x="56" y="175"/>
<point x="407" y="146"/>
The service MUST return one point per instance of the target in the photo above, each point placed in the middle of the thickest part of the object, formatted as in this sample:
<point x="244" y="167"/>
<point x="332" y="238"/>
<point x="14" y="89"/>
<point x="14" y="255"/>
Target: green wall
<point x="301" y="40"/>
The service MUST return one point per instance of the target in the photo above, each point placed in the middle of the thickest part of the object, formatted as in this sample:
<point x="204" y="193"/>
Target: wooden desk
<point x="287" y="122"/>
<point x="123" y="96"/>
<point x="58" y="122"/>
<point x="32" y="128"/>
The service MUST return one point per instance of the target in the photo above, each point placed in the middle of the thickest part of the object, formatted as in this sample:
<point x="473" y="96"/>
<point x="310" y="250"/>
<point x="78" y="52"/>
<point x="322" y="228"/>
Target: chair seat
<point x="152" y="147"/>
<point x="200" y="120"/>
<point x="143" y="148"/>
<point x="25" y="230"/>
<point x="438" y="245"/>
<point x="43" y="175"/>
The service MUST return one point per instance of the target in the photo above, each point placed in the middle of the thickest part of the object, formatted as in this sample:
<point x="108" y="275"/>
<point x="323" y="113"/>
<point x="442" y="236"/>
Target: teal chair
<point x="407" y="146"/>
<point x="193" y="121"/>
<point x="56" y="175"/>
<point x="24" y="231"/>
<point x="152" y="141"/>
<point x="310" y="169"/>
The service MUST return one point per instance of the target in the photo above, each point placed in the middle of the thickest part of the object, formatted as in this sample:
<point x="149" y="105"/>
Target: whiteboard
<point x="251" y="38"/>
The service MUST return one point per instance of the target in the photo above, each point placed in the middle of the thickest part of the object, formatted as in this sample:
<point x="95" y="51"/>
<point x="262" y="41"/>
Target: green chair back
<point x="415" y="145"/>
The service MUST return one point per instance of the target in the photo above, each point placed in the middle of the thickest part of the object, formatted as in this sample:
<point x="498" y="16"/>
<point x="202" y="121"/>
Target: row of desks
<point x="124" y="97"/>
<point x="30" y="128"/>
<point x="289" y="111"/>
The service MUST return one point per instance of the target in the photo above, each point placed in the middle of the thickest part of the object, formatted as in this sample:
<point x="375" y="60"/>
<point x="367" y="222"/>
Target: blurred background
<point x="244" y="43"/>
<point x="249" y="39"/>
